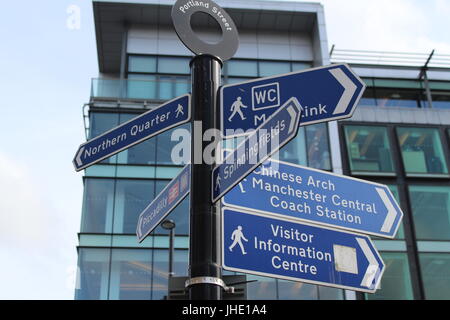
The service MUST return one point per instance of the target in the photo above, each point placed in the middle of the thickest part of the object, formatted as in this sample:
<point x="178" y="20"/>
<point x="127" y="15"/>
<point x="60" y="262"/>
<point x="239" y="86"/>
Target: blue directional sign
<point x="325" y="94"/>
<point x="145" y="126"/>
<point x="268" y="138"/>
<point x="284" y="249"/>
<point x="319" y="197"/>
<point x="164" y="203"/>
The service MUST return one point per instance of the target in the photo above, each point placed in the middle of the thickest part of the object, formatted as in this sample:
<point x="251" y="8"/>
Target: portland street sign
<point x="279" y="248"/>
<point x="319" y="197"/>
<point x="164" y="203"/>
<point x="182" y="12"/>
<point x="145" y="126"/>
<point x="325" y="94"/>
<point x="268" y="138"/>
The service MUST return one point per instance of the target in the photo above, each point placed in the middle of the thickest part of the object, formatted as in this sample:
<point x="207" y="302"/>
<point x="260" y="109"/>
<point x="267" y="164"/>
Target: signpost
<point x="268" y="138"/>
<point x="325" y="94"/>
<point x="287" y="190"/>
<point x="164" y="203"/>
<point x="282" y="249"/>
<point x="269" y="240"/>
<point x="145" y="126"/>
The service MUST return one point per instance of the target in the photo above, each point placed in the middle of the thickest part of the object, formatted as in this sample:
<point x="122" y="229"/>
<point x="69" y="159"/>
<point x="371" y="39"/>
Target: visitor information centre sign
<point x="283" y="249"/>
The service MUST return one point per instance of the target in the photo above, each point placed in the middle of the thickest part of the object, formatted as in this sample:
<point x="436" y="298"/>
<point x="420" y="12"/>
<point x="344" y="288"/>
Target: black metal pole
<point x="204" y="221"/>
<point x="171" y="248"/>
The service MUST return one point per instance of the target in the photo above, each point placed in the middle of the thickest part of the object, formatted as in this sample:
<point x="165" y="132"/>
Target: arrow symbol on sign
<point x="293" y="115"/>
<point x="139" y="227"/>
<point x="373" y="267"/>
<point x="349" y="90"/>
<point x="391" y="214"/>
<point x="78" y="157"/>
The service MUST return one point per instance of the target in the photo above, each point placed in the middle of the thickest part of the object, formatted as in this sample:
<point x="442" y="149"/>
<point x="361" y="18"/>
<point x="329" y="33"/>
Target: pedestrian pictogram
<point x="237" y="236"/>
<point x="236" y="109"/>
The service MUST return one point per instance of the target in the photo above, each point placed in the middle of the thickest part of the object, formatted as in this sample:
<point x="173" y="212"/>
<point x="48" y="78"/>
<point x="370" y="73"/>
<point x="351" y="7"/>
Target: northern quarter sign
<point x="283" y="249"/>
<point x="145" y="126"/>
<point x="166" y="201"/>
<point x="319" y="197"/>
<point x="268" y="138"/>
<point x="325" y="94"/>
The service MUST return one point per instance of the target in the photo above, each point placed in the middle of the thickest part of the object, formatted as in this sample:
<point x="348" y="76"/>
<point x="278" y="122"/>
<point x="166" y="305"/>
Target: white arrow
<point x="78" y="157"/>
<point x="373" y="267"/>
<point x="391" y="214"/>
<point x="293" y="114"/>
<point x="349" y="90"/>
<point x="139" y="227"/>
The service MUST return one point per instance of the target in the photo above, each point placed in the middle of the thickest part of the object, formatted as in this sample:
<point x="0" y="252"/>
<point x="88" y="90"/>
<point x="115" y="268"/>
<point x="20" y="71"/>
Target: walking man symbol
<point x="236" y="108"/>
<point x="179" y="110"/>
<point x="237" y="236"/>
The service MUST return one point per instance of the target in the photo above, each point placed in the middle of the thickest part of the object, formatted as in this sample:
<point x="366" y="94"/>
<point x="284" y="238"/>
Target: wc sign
<point x="266" y="96"/>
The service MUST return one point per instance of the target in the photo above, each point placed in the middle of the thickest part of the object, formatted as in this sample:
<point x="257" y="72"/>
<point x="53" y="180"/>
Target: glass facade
<point x="422" y="188"/>
<point x="126" y="274"/>
<point x="396" y="93"/>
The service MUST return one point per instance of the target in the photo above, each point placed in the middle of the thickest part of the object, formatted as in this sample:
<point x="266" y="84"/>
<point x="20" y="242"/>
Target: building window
<point x="293" y="290"/>
<point x="102" y="122"/>
<point x="431" y="211"/>
<point x="242" y="68"/>
<point x="421" y="150"/>
<point x="399" y="98"/>
<point x="263" y="288"/>
<point x="173" y="65"/>
<point x="130" y="274"/>
<point x="309" y="148"/>
<point x="141" y="86"/>
<point x="317" y="146"/>
<point x="160" y="274"/>
<point x="435" y="269"/>
<point x="297" y="66"/>
<point x="368" y="98"/>
<point x="441" y="100"/>
<point x="396" y="282"/>
<point x="98" y="206"/>
<point x="270" y="68"/>
<point x="368" y="149"/>
<point x="93" y="276"/>
<point x="132" y="196"/>
<point x="142" y="64"/>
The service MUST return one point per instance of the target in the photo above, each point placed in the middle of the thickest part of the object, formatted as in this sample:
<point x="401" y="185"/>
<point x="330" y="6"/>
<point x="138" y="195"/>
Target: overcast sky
<point x="46" y="64"/>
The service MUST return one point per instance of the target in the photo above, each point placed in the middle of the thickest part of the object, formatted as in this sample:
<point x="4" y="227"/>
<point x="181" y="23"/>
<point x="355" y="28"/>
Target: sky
<point x="47" y="59"/>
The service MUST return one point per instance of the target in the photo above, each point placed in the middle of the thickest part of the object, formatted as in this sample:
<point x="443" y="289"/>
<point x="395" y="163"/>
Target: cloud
<point x="388" y="25"/>
<point x="34" y="254"/>
<point x="22" y="213"/>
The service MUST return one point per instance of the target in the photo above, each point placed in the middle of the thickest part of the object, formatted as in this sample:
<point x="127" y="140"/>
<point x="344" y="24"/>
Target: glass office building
<point x="399" y="136"/>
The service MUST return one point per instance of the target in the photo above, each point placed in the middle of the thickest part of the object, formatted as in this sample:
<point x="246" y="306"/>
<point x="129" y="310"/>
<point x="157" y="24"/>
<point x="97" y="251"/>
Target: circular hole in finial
<point x="206" y="28"/>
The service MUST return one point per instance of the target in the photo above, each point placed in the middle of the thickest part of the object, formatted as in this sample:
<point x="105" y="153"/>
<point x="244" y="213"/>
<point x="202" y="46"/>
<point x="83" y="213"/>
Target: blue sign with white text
<point x="275" y="132"/>
<point x="311" y="195"/>
<point x="143" y="127"/>
<point x="325" y="94"/>
<point x="292" y="251"/>
<point x="164" y="203"/>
